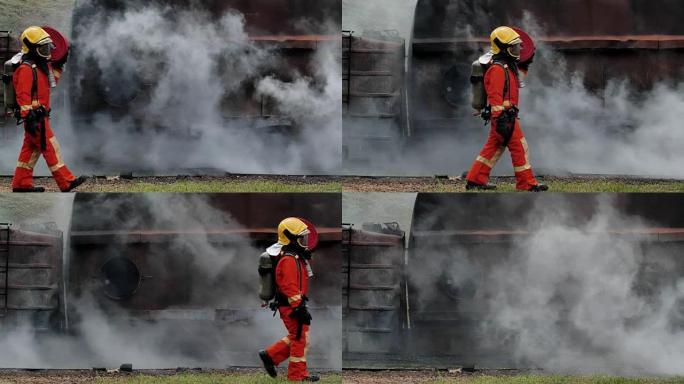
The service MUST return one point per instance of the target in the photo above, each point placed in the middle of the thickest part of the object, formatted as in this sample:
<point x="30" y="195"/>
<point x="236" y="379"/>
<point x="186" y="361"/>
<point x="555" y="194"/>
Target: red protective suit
<point x="31" y="149"/>
<point x="292" y="282"/>
<point x="494" y="82"/>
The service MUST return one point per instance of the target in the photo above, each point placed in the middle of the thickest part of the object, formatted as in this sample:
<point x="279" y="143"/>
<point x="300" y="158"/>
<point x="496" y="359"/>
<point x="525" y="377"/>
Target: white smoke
<point x="219" y="323"/>
<point x="187" y="75"/>
<point x="619" y="130"/>
<point x="575" y="298"/>
<point x="567" y="294"/>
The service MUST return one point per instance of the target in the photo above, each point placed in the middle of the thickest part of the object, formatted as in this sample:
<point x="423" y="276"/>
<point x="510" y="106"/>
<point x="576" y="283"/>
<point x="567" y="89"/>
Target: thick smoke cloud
<point x="217" y="322"/>
<point x="618" y="130"/>
<point x="588" y="303"/>
<point x="573" y="296"/>
<point x="187" y="76"/>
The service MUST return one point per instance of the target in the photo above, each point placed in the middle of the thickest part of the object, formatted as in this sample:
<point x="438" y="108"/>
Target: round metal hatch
<point x="119" y="84"/>
<point x="121" y="278"/>
<point x="455" y="80"/>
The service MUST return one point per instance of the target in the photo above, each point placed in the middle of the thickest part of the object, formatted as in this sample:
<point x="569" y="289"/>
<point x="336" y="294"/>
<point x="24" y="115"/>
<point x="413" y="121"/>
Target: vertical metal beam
<point x="6" y="251"/>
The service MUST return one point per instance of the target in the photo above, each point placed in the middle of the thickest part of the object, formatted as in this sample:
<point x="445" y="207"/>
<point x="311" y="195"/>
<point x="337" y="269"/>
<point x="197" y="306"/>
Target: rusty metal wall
<point x="31" y="278"/>
<point x="373" y="94"/>
<point x="294" y="30"/>
<point x="642" y="41"/>
<point x="262" y="17"/>
<point x="196" y="272"/>
<point x="125" y="225"/>
<point x="373" y="309"/>
<point x="477" y="233"/>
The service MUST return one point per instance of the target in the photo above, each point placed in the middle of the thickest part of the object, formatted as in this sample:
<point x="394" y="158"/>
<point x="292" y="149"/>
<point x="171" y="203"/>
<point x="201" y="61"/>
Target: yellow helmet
<point x="295" y="228"/>
<point x="36" y="37"/>
<point x="505" y="38"/>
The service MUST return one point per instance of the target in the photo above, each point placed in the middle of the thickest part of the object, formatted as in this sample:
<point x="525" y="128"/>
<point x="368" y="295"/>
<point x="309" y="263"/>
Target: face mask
<point x="303" y="239"/>
<point x="45" y="51"/>
<point x="514" y="50"/>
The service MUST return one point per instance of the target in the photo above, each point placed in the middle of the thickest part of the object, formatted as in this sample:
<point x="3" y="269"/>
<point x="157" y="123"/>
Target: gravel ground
<point x="388" y="377"/>
<point x="90" y="376"/>
<point x="507" y="184"/>
<point x="417" y="376"/>
<point x="124" y="184"/>
<point x="275" y="183"/>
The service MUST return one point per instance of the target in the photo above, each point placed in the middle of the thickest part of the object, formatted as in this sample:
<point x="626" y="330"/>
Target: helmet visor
<point x="45" y="50"/>
<point x="304" y="239"/>
<point x="514" y="50"/>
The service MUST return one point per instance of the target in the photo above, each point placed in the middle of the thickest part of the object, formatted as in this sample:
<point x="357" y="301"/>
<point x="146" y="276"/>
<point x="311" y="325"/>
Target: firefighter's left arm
<point x="288" y="279"/>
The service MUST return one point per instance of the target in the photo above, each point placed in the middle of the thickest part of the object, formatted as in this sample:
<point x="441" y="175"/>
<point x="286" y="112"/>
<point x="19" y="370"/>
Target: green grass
<point x="202" y="378"/>
<point x="216" y="186"/>
<point x="579" y="186"/>
<point x="539" y="379"/>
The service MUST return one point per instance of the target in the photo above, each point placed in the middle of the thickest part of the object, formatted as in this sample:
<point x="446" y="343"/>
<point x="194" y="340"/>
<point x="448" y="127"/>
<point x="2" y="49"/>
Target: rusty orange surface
<point x="154" y="235"/>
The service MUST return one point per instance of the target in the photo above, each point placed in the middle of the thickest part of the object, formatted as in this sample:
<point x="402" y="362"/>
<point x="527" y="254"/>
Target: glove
<point x="60" y="64"/>
<point x="31" y="123"/>
<point x="33" y="120"/>
<point x="301" y="314"/>
<point x="505" y="124"/>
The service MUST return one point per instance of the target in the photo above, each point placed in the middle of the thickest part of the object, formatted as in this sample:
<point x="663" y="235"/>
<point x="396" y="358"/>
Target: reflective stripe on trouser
<point x="28" y="157"/>
<point x="288" y="348"/>
<point x="491" y="153"/>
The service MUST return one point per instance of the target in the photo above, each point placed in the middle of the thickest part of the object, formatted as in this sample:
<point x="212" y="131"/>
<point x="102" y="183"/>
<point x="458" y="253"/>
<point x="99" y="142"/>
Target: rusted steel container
<point x="293" y="32"/>
<point x="103" y="229"/>
<point x="31" y="278"/>
<point x="141" y="259"/>
<point x="641" y="41"/>
<point x="372" y="93"/>
<point x="9" y="46"/>
<point x="458" y="241"/>
<point x="373" y="310"/>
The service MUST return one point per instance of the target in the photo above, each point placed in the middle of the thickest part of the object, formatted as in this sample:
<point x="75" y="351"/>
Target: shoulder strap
<point x="34" y="86"/>
<point x="507" y="81"/>
<point x="299" y="268"/>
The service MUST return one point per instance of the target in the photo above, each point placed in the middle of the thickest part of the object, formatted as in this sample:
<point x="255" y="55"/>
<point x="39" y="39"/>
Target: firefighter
<point x="32" y="82"/>
<point x="292" y="272"/>
<point x="502" y="81"/>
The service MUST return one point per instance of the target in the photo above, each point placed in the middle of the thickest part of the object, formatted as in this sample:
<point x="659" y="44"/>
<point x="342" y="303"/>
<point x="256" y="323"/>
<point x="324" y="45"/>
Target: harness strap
<point x="280" y="297"/>
<point x="35" y="102"/>
<point x="506" y="89"/>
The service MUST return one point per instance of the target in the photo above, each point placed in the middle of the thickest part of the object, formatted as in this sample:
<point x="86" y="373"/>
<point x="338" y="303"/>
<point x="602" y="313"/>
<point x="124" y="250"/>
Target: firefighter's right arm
<point x="23" y="81"/>
<point x="494" y="82"/>
<point x="287" y="279"/>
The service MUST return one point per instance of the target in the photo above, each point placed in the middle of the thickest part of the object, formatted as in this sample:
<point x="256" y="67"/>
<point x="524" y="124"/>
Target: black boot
<point x="74" y="184"/>
<point x="483" y="187"/>
<point x="269" y="366"/>
<point x="539" y="188"/>
<point x="25" y="190"/>
<point x="311" y="378"/>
